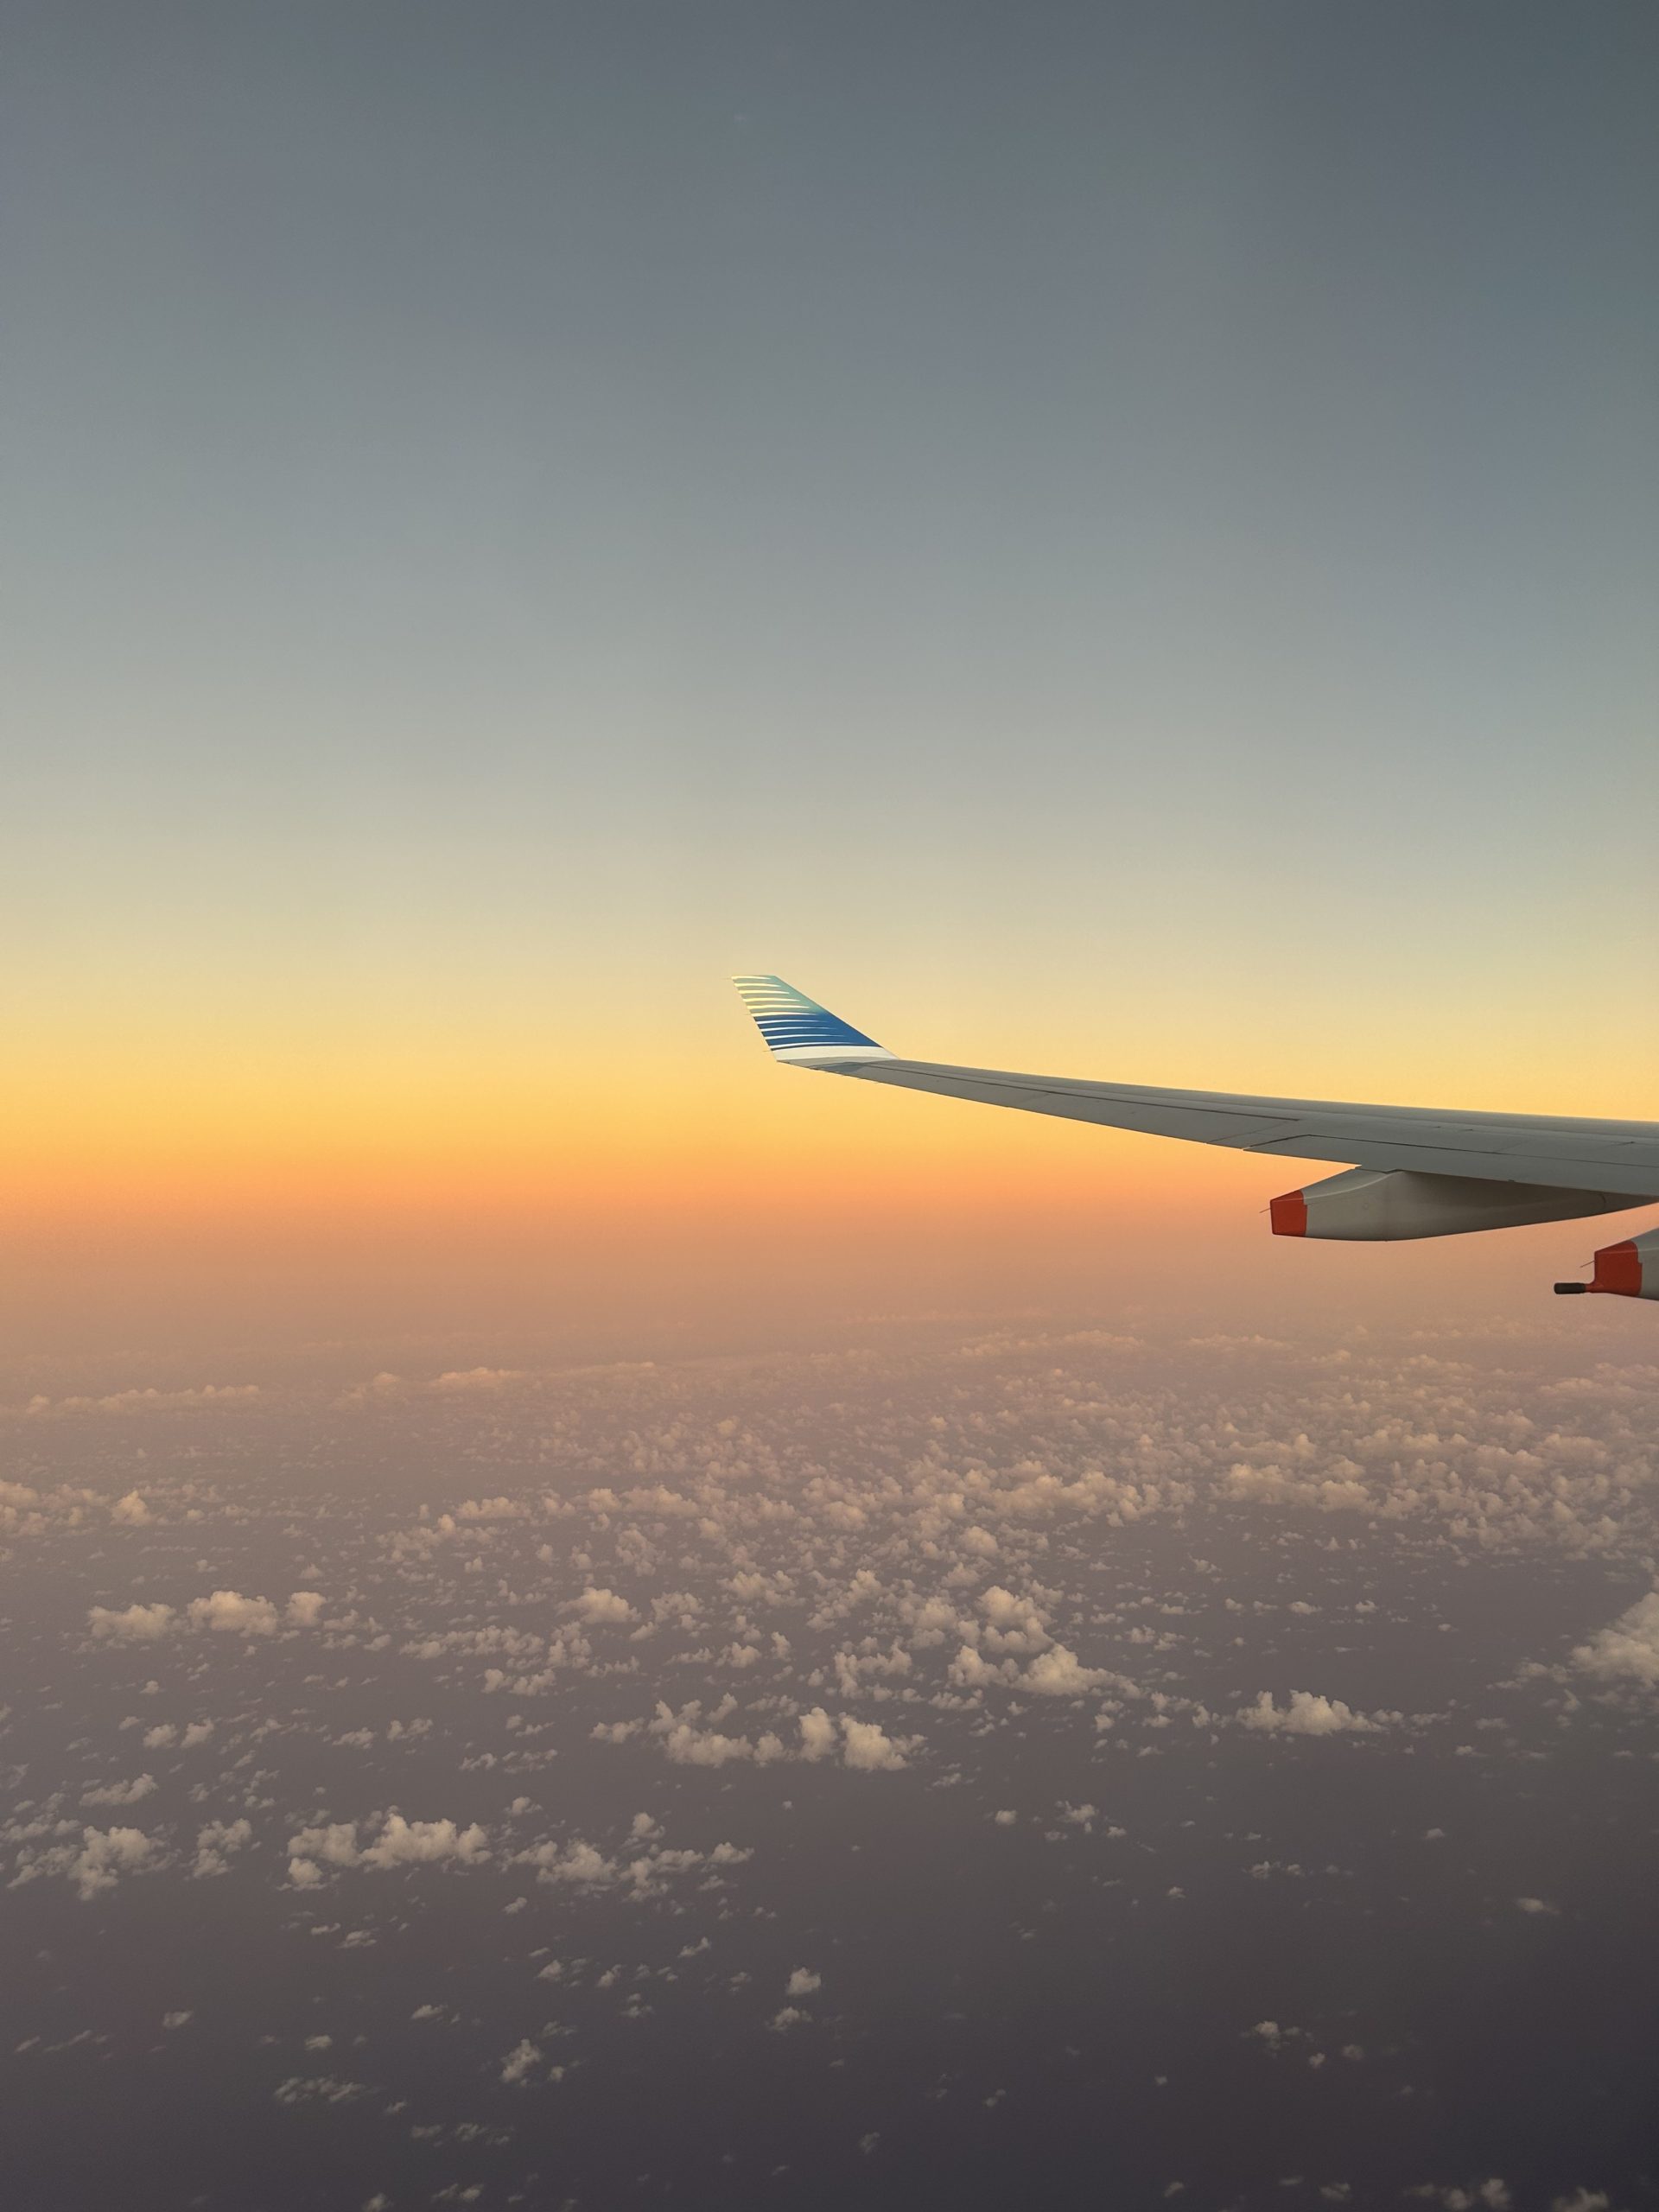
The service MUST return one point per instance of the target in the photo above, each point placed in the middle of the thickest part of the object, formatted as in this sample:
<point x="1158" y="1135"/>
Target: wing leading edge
<point x="1613" y="1164"/>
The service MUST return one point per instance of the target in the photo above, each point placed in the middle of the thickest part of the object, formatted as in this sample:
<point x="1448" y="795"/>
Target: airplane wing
<point x="1573" y="1166"/>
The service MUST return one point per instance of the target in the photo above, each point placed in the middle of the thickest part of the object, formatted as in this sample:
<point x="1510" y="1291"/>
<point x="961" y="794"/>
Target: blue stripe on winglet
<point x="790" y="1021"/>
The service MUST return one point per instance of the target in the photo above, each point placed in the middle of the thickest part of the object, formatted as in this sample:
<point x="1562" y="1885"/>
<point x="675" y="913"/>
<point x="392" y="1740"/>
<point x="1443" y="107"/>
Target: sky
<point x="589" y="1620"/>
<point x="1116" y="540"/>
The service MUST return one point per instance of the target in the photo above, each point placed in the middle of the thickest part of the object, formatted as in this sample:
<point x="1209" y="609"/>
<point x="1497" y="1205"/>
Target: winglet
<point x="798" y="1029"/>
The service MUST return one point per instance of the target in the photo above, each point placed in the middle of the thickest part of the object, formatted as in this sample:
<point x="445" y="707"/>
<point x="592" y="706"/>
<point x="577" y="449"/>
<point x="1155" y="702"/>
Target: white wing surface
<point x="1613" y="1164"/>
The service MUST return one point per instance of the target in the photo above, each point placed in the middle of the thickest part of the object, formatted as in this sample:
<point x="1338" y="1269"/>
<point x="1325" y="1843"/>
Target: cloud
<point x="689" y="1742"/>
<point x="817" y="1734"/>
<point x="646" y="1873"/>
<point x="865" y="1745"/>
<point x="1060" y="1673"/>
<point x="577" y="1861"/>
<point x="400" y="1843"/>
<point x="411" y="1843"/>
<point x="107" y="1853"/>
<point x="121" y="1793"/>
<point x="969" y="1669"/>
<point x="148" y="1400"/>
<point x="1628" y="1648"/>
<point x="1057" y="1672"/>
<point x="226" y="1610"/>
<point x="138" y="1624"/>
<point x="520" y="2063"/>
<point x="803" y="1982"/>
<point x="230" y="1613"/>
<point x="1012" y="1624"/>
<point x="97" y="1862"/>
<point x="1307" y="1715"/>
<point x="317" y="2089"/>
<point x="689" y="1746"/>
<point x="216" y="1842"/>
<point x="1273" y="1485"/>
<point x="597" y="1607"/>
<point x="131" y="1509"/>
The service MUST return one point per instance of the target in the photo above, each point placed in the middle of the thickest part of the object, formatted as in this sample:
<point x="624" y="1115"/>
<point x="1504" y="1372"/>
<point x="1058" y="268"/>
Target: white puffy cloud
<point x="1057" y="1672"/>
<point x="1628" y="1648"/>
<point x="130" y="1509"/>
<point x="520" y="2063"/>
<point x="1277" y="1486"/>
<point x="971" y="1669"/>
<point x="689" y="1746"/>
<point x="412" y="1843"/>
<point x="598" y="1607"/>
<point x="1012" y="1624"/>
<point x="646" y="1872"/>
<point x="138" y="1624"/>
<point x="216" y="1842"/>
<point x="1060" y="1673"/>
<point x="231" y="1614"/>
<point x="401" y="1842"/>
<point x="863" y="1744"/>
<point x="1307" y="1715"/>
<point x="688" y="1741"/>
<point x="803" y="1982"/>
<point x="866" y="1745"/>
<point x="98" y="1861"/>
<point x="121" y="1793"/>
<point x="578" y="1862"/>
<point x="817" y="1734"/>
<point x="226" y="1610"/>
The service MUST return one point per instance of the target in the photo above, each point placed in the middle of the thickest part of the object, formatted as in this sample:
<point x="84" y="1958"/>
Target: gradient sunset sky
<point x="1113" y="539"/>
